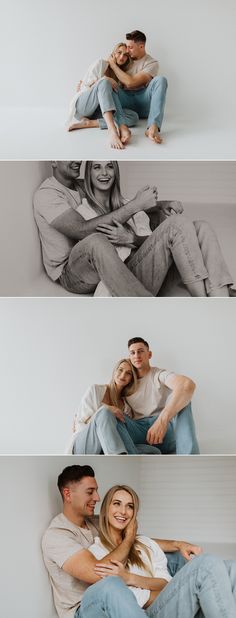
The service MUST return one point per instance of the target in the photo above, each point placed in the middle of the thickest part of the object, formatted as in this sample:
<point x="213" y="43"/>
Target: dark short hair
<point x="73" y="474"/>
<point x="137" y="36"/>
<point x="138" y="340"/>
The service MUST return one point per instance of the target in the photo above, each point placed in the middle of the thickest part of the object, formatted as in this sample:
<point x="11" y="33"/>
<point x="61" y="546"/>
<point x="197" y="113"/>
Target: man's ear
<point x="66" y="494"/>
<point x="150" y="354"/>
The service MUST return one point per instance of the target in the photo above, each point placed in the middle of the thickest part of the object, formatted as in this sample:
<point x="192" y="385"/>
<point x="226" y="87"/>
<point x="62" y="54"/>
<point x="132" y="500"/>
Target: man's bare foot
<point x="154" y="134"/>
<point x="84" y="123"/>
<point x="115" y="141"/>
<point x="125" y="134"/>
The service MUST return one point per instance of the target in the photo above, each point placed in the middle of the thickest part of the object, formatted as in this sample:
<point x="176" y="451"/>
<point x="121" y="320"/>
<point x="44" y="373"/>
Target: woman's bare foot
<point x="154" y="134"/>
<point x="84" y="123"/>
<point x="115" y="141"/>
<point x="125" y="134"/>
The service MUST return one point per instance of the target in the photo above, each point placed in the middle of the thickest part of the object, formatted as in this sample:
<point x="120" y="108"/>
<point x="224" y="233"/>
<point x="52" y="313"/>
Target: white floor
<point x="39" y="133"/>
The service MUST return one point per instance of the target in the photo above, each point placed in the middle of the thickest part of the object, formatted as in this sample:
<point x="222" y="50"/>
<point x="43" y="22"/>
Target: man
<point x="78" y="256"/>
<point x="143" y="91"/>
<point x="161" y="405"/>
<point x="71" y="566"/>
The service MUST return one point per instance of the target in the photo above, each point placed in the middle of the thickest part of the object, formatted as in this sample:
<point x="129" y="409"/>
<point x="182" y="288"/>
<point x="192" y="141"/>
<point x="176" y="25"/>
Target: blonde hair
<point x="116" y="199"/>
<point x="124" y="67"/>
<point x="134" y="557"/>
<point x="127" y="390"/>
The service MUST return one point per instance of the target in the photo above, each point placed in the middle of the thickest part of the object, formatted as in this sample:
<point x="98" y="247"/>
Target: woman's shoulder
<point x="150" y="543"/>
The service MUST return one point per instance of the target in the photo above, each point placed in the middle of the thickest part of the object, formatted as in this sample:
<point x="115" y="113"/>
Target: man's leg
<point x="175" y="562"/>
<point x="94" y="259"/>
<point x="100" y="435"/>
<point x="202" y="584"/>
<point x="219" y="278"/>
<point x="138" y="429"/>
<point x="173" y="240"/>
<point x="109" y="598"/>
<point x="185" y="433"/>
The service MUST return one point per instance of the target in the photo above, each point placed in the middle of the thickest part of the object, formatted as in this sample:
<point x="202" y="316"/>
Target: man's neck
<point x="143" y="372"/>
<point x="142" y="54"/>
<point x="67" y="182"/>
<point x="75" y="518"/>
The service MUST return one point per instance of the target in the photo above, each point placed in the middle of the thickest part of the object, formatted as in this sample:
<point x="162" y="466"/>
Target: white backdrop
<point x="48" y="45"/>
<point x="53" y="349"/>
<point x="31" y="499"/>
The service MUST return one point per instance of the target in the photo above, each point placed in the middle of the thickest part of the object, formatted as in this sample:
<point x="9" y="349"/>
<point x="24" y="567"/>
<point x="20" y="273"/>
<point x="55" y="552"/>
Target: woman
<point x="96" y="428"/>
<point x="96" y="100"/>
<point x="203" y="587"/>
<point x="150" y="242"/>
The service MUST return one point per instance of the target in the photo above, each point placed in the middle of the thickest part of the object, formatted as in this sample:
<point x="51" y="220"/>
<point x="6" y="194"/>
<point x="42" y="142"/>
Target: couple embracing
<point x="143" y="409"/>
<point x="115" y="93"/>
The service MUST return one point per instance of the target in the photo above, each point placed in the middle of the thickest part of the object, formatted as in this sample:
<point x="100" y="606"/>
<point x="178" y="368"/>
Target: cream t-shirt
<point x="147" y="64"/>
<point x="156" y="565"/>
<point x="62" y="540"/>
<point x="152" y="393"/>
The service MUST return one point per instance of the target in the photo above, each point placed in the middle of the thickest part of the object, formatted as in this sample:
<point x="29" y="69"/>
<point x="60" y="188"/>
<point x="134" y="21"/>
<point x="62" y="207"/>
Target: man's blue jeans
<point x="205" y="586"/>
<point x="180" y="437"/>
<point x="148" y="102"/>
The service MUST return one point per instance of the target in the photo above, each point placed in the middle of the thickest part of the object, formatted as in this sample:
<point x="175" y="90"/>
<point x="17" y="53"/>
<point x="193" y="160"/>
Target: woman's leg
<point x="100" y="435"/>
<point x="202" y="584"/>
<point x="173" y="240"/>
<point x="100" y="95"/>
<point x="219" y="278"/>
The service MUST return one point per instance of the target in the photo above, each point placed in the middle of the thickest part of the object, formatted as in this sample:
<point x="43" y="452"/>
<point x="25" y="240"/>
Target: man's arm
<point x="82" y="564"/>
<point x="186" y="549"/>
<point x="130" y="81"/>
<point x="182" y="390"/>
<point x="72" y="224"/>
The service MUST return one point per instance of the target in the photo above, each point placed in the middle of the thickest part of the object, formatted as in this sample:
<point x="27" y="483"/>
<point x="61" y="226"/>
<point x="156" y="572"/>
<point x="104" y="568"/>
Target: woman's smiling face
<point x="121" y="510"/>
<point x="102" y="175"/>
<point x="123" y="375"/>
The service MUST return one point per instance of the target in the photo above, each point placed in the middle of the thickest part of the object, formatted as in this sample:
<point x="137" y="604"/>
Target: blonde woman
<point x="204" y="586"/>
<point x="96" y="103"/>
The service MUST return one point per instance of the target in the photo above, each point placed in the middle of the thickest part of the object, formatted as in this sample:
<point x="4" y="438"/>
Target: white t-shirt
<point x="152" y="393"/>
<point x="62" y="540"/>
<point x="156" y="561"/>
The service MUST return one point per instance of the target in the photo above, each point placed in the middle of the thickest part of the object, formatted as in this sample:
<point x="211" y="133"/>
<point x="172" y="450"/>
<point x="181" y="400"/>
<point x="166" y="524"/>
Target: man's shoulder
<point x="149" y="58"/>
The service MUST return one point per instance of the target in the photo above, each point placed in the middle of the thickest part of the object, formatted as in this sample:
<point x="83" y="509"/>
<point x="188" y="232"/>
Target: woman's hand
<point x="146" y="198"/>
<point x="117" y="234"/>
<point x="130" y="531"/>
<point x="111" y="60"/>
<point x="113" y="83"/>
<point x="114" y="568"/>
<point x="79" y="86"/>
<point x="117" y="412"/>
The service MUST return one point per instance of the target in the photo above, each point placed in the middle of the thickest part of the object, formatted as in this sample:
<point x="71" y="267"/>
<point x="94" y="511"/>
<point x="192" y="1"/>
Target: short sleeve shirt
<point x="147" y="64"/>
<point x="62" y="540"/>
<point x="152" y="393"/>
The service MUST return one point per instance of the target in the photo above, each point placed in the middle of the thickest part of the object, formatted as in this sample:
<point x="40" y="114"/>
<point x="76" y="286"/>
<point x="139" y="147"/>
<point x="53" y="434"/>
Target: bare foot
<point x="154" y="134"/>
<point x="84" y="123"/>
<point x="115" y="141"/>
<point x="125" y="134"/>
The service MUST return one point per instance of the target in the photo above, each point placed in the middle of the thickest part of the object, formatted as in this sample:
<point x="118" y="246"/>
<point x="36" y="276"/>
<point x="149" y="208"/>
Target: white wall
<point x="207" y="190"/>
<point x="53" y="349"/>
<point x="196" y="502"/>
<point x="49" y="44"/>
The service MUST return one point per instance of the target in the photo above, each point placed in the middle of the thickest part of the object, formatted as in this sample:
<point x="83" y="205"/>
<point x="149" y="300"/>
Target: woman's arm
<point x="116" y="568"/>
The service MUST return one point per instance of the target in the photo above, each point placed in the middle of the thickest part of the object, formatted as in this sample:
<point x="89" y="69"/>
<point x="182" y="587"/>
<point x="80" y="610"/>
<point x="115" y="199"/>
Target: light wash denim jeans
<point x="193" y="247"/>
<point x="148" y="102"/>
<point x="204" y="587"/>
<point x="180" y="437"/>
<point x="102" y="98"/>
<point x="102" y="436"/>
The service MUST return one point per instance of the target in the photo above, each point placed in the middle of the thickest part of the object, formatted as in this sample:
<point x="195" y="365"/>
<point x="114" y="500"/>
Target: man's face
<point x="67" y="170"/>
<point x="135" y="50"/>
<point x="83" y="496"/>
<point x="139" y="355"/>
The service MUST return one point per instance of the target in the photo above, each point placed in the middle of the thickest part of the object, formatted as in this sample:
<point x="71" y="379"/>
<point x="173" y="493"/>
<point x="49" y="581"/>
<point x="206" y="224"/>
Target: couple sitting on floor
<point x="144" y="409"/>
<point x="130" y="574"/>
<point x="115" y="93"/>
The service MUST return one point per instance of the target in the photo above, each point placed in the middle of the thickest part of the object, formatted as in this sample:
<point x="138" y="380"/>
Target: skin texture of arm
<point x="130" y="81"/>
<point x="72" y="224"/>
<point x="186" y="549"/>
<point x="117" y="568"/>
<point x="182" y="390"/>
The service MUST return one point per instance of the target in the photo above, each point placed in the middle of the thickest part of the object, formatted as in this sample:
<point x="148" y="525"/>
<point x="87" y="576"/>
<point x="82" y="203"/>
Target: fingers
<point x="104" y="227"/>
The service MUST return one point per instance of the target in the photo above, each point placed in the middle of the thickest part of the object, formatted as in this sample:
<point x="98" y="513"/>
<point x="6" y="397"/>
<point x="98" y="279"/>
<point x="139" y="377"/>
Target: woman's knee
<point x="104" y="85"/>
<point x="104" y="415"/>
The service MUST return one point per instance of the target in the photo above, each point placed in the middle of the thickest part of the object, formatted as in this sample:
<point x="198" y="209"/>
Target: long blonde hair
<point x="124" y="67"/>
<point x="127" y="390"/>
<point x="116" y="199"/>
<point x="134" y="557"/>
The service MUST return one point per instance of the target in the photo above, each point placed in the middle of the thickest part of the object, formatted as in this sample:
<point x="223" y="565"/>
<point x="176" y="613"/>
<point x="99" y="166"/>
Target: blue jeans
<point x="180" y="437"/>
<point x="205" y="586"/>
<point x="101" y="98"/>
<point x="148" y="102"/>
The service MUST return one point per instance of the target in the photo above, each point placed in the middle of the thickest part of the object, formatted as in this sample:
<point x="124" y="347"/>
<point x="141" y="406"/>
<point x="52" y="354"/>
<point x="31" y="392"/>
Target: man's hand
<point x="188" y="550"/>
<point x="157" y="431"/>
<point x="173" y="208"/>
<point x="117" y="234"/>
<point x="115" y="568"/>
<point x="113" y="83"/>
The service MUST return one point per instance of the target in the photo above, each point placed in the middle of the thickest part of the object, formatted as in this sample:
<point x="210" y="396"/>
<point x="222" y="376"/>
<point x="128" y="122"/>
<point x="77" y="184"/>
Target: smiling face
<point x="120" y="510"/>
<point x="140" y="355"/>
<point x="81" y="497"/>
<point x="102" y="175"/>
<point x="66" y="172"/>
<point x="123" y="375"/>
<point x="121" y="55"/>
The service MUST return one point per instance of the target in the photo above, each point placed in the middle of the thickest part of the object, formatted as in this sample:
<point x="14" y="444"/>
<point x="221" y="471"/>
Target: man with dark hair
<point x="161" y="405"/>
<point x="71" y="566"/>
<point x="142" y="90"/>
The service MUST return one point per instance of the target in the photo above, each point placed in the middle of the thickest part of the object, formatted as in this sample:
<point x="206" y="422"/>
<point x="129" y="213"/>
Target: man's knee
<point x="203" y="228"/>
<point x="160" y="81"/>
